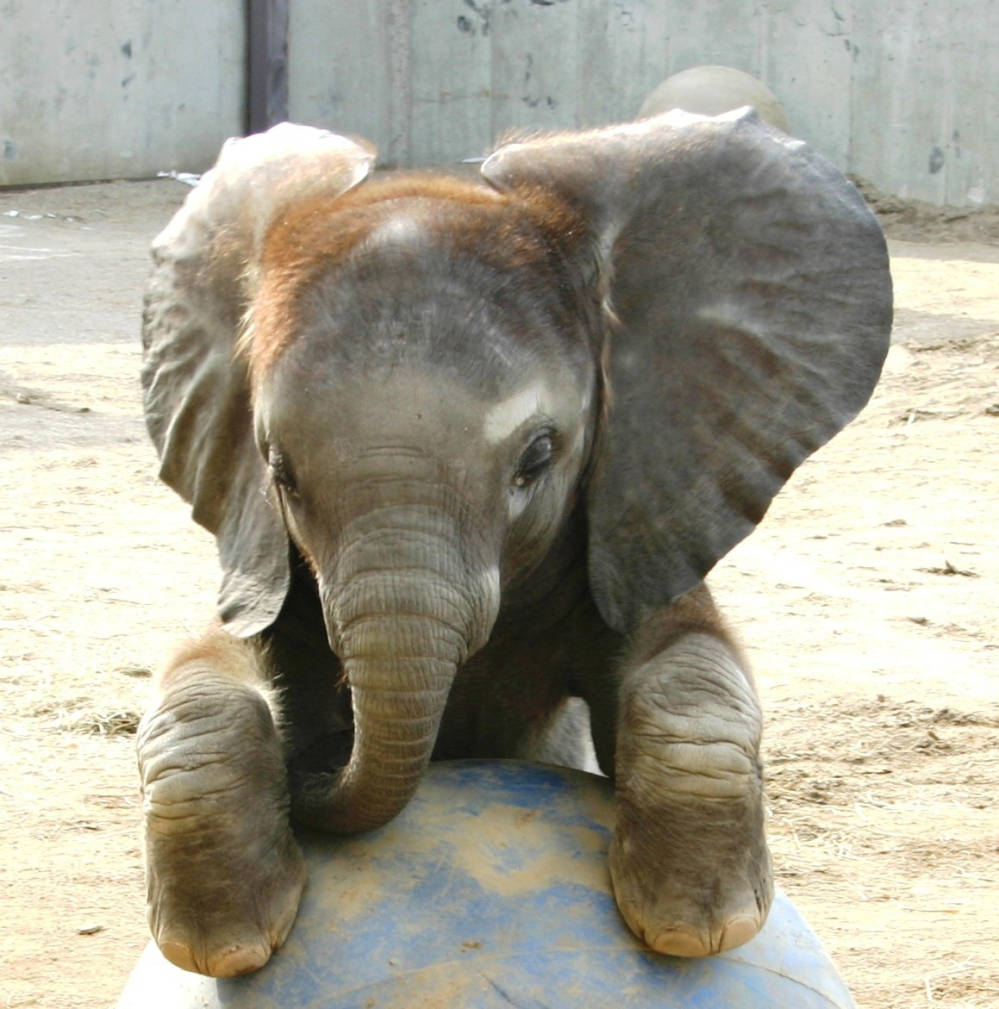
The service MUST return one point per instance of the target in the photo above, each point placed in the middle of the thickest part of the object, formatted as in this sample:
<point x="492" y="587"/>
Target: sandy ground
<point x="867" y="600"/>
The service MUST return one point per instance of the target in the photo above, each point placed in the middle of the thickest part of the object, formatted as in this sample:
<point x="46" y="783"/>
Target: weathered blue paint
<point x="491" y="890"/>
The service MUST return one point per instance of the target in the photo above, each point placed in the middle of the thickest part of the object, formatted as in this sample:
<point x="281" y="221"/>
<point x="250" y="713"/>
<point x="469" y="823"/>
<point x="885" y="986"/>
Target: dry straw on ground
<point x="866" y="600"/>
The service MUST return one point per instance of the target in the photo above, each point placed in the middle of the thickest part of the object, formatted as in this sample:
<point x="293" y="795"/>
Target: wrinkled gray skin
<point x="467" y="468"/>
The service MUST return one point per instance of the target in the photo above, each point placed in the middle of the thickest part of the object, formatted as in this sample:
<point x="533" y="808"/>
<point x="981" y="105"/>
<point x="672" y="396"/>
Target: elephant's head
<point x="651" y="325"/>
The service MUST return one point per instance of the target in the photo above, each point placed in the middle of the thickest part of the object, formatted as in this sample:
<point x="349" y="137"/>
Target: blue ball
<point x="491" y="889"/>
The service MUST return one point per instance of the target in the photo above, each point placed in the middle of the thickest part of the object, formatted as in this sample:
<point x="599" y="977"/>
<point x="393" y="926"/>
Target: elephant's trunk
<point x="404" y="609"/>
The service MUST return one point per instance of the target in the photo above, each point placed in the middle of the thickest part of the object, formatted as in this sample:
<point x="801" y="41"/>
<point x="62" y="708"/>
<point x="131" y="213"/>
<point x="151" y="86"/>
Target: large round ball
<point x="491" y="890"/>
<point x="710" y="91"/>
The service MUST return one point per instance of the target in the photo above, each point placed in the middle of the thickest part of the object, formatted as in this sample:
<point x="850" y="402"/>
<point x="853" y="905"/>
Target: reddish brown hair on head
<point x="507" y="230"/>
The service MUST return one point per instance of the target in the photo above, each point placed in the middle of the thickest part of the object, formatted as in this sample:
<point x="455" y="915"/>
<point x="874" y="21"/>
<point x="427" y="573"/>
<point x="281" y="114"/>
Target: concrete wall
<point x="97" y="89"/>
<point x="899" y="92"/>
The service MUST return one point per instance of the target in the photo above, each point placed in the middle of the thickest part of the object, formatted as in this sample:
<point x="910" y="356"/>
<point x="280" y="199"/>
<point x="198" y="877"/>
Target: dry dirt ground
<point x="867" y="600"/>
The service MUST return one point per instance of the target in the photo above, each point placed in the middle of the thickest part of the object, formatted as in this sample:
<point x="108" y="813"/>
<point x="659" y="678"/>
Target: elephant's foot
<point x="689" y="860"/>
<point x="692" y="877"/>
<point x="224" y="874"/>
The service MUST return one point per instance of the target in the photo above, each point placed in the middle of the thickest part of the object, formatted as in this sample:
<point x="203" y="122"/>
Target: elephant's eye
<point x="281" y="472"/>
<point x="535" y="460"/>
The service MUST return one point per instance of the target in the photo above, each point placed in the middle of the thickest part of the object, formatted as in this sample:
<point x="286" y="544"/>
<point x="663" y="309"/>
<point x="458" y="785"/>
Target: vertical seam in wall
<point x="763" y="43"/>
<point x="947" y="140"/>
<point x="492" y="89"/>
<point x="668" y="52"/>
<point x="578" y="60"/>
<point x="399" y="42"/>
<point x="851" y="85"/>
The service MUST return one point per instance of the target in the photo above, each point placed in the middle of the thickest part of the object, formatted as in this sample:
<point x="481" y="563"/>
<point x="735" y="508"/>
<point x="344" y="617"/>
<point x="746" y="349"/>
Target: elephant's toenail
<point x="239" y="960"/>
<point x="681" y="942"/>
<point x="737" y="931"/>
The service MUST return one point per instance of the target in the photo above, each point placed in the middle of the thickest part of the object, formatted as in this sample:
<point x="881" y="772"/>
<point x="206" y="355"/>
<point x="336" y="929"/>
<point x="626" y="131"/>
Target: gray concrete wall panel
<point x="807" y="60"/>
<point x="895" y="91"/>
<point x="98" y="89"/>
<point x="898" y="92"/>
<point x="925" y="78"/>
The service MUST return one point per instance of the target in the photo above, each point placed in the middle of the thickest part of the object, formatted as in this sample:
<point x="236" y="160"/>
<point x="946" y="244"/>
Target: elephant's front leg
<point x="224" y="874"/>
<point x="689" y="860"/>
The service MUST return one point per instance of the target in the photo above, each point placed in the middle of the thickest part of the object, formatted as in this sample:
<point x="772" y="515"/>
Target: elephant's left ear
<point x="748" y="299"/>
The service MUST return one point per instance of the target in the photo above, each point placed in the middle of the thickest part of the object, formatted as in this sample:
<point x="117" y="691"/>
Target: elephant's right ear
<point x="196" y="391"/>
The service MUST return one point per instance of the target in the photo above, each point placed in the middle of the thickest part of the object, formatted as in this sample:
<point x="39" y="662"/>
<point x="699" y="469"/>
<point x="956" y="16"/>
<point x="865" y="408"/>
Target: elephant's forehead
<point x="401" y="231"/>
<point x="416" y="245"/>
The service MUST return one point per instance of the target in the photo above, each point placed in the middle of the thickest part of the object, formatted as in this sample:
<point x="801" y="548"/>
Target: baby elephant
<point x="468" y="449"/>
